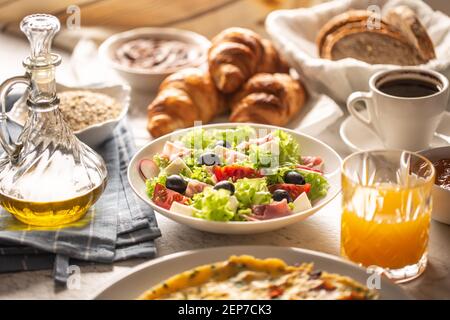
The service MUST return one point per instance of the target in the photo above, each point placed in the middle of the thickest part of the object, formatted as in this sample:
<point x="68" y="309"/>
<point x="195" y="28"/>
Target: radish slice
<point x="305" y="168"/>
<point x="148" y="169"/>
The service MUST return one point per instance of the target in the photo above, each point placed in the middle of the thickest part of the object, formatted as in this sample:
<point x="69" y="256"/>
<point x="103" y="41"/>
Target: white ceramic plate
<point x="308" y="146"/>
<point x="360" y="138"/>
<point x="146" y="275"/>
<point x="95" y="134"/>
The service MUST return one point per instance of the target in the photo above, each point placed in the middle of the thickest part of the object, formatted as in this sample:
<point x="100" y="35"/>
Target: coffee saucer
<point x="360" y="138"/>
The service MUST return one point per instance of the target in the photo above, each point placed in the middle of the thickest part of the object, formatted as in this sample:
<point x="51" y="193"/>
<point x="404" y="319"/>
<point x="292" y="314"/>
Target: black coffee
<point x="409" y="88"/>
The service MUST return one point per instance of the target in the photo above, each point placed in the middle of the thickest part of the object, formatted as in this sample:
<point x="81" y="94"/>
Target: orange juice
<point x="385" y="225"/>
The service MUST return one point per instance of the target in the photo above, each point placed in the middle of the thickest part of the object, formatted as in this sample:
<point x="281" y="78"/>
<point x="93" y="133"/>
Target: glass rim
<point x="419" y="184"/>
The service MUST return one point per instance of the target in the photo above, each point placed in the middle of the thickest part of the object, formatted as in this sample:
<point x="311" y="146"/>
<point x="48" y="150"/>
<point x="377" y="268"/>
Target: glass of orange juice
<point x="386" y="211"/>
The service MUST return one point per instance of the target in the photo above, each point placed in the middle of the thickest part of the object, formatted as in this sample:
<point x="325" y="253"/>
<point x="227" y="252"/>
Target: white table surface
<point x="321" y="232"/>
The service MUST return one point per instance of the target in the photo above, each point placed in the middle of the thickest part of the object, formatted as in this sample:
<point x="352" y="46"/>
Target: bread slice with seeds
<point x="398" y="39"/>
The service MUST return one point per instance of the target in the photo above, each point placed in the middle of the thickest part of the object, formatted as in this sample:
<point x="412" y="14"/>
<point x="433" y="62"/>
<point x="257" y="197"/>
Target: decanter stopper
<point x="40" y="30"/>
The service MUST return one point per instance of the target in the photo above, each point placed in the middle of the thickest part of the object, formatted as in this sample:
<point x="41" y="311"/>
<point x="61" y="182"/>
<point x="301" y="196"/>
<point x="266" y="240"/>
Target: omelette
<point x="248" y="278"/>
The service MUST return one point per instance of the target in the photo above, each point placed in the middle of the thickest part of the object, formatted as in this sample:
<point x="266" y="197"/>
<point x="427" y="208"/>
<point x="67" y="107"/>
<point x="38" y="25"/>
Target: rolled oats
<point x="83" y="108"/>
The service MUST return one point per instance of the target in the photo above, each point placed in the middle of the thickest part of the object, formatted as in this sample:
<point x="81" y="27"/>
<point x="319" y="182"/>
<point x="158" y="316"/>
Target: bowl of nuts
<point x="91" y="112"/>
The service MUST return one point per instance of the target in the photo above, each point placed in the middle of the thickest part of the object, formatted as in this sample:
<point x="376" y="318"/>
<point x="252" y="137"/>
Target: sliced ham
<point x="273" y="210"/>
<point x="256" y="141"/>
<point x="272" y="146"/>
<point x="209" y="169"/>
<point x="194" y="187"/>
<point x="262" y="140"/>
<point x="173" y="150"/>
<point x="229" y="155"/>
<point x="312" y="162"/>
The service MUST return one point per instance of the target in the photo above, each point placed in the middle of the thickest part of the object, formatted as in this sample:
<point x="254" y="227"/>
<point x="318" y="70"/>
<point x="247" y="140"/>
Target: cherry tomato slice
<point x="164" y="197"/>
<point x="294" y="189"/>
<point x="234" y="172"/>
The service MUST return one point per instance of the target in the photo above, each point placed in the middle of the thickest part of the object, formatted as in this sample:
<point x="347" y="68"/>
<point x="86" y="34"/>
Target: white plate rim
<point x="344" y="137"/>
<point x="184" y="254"/>
<point x="168" y="213"/>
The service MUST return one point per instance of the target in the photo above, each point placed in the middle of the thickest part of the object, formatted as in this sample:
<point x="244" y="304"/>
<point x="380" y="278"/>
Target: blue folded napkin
<point x="120" y="225"/>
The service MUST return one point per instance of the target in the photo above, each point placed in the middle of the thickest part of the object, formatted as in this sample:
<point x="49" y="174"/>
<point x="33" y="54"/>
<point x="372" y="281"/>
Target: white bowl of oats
<point x="92" y="112"/>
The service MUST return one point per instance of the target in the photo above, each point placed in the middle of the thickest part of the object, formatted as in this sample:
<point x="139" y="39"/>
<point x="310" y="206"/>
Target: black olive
<point x="223" y="143"/>
<point x="176" y="183"/>
<point x="280" y="194"/>
<point x="316" y="274"/>
<point x="209" y="159"/>
<point x="293" y="177"/>
<point x="225" y="185"/>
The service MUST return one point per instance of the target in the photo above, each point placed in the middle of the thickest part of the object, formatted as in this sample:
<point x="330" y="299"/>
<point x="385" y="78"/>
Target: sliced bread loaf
<point x="405" y="20"/>
<point x="397" y="41"/>
<point x="340" y="21"/>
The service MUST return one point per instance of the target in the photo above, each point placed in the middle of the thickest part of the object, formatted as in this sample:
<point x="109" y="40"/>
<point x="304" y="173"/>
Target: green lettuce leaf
<point x="251" y="191"/>
<point x="319" y="185"/>
<point x="198" y="138"/>
<point x="235" y="136"/>
<point x="151" y="183"/>
<point x="200" y="173"/>
<point x="262" y="158"/>
<point x="160" y="161"/>
<point x="289" y="148"/>
<point x="213" y="205"/>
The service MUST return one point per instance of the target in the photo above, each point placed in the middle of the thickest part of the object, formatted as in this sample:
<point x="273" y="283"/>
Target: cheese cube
<point x="177" y="166"/>
<point x="302" y="203"/>
<point x="181" y="209"/>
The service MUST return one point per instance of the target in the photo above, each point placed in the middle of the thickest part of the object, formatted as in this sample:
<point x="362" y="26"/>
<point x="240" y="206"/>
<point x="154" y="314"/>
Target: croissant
<point x="236" y="54"/>
<point x="184" y="97"/>
<point x="268" y="98"/>
<point x="271" y="61"/>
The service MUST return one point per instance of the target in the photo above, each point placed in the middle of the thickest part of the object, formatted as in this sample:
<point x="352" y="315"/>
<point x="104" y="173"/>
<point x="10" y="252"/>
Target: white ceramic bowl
<point x="308" y="146"/>
<point x="146" y="79"/>
<point x="95" y="134"/>
<point x="441" y="196"/>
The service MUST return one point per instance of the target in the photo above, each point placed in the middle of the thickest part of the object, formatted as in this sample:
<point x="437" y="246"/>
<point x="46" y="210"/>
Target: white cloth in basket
<point x="294" y="33"/>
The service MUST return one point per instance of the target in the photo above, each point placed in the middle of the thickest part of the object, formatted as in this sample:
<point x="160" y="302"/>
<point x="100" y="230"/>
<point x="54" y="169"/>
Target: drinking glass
<point x="386" y="211"/>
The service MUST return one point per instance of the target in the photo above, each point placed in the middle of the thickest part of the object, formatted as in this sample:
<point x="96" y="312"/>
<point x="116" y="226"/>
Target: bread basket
<point x="294" y="33"/>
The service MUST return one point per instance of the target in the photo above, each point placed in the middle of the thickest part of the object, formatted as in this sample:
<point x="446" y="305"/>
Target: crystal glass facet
<point x="386" y="211"/>
<point x="48" y="177"/>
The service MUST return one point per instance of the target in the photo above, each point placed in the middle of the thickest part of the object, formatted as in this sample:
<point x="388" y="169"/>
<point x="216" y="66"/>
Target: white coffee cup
<point x="400" y="122"/>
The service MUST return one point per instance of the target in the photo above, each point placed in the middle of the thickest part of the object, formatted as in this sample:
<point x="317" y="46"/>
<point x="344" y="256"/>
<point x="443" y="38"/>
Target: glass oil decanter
<point x="48" y="177"/>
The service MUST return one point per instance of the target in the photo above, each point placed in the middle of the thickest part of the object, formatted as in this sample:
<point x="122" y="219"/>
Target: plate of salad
<point x="236" y="179"/>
